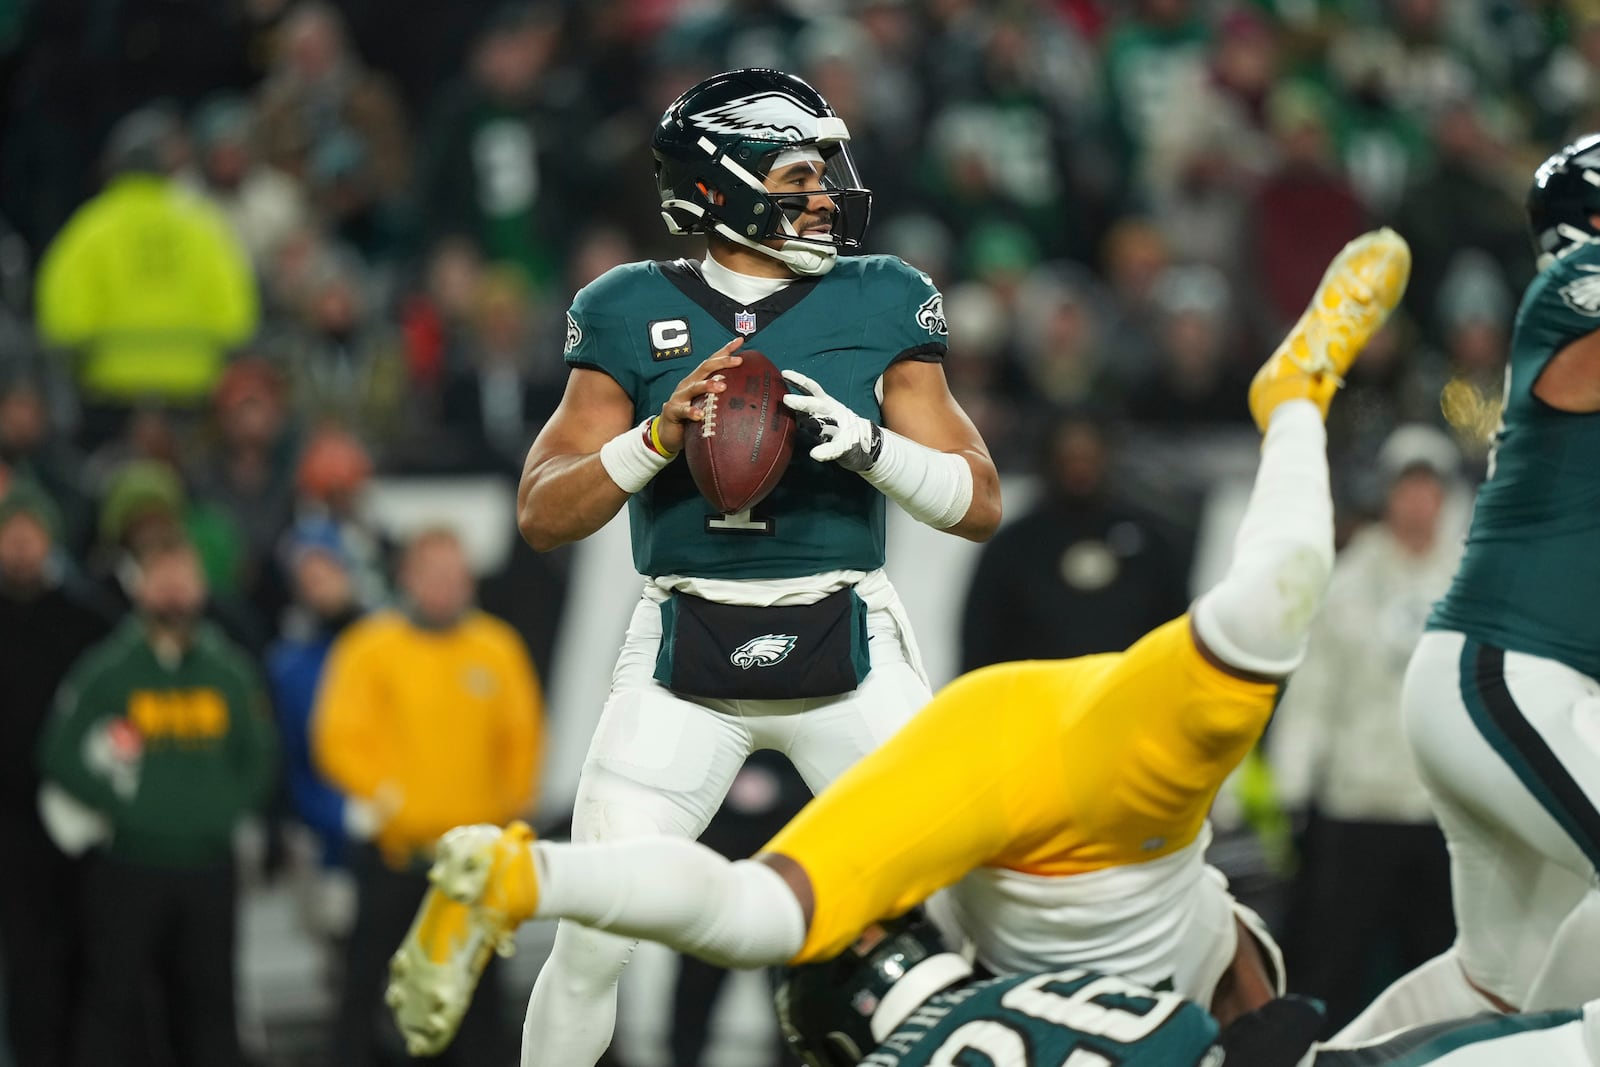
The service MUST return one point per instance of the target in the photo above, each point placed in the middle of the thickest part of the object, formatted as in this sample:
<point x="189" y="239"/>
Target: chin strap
<point x="805" y="258"/>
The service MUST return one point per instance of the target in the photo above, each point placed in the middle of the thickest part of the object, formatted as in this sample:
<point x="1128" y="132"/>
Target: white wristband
<point x="630" y="462"/>
<point x="934" y="487"/>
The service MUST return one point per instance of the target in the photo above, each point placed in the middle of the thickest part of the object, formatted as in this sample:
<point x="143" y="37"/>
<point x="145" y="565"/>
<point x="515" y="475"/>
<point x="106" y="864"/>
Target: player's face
<point x="809" y="208"/>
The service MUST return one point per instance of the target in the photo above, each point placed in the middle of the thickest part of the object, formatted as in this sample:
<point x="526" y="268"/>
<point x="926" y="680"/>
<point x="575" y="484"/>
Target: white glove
<point x="847" y="439"/>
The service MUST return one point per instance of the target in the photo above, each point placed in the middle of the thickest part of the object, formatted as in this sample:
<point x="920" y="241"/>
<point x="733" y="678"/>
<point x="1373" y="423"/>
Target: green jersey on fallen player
<point x="1530" y="578"/>
<point x="1072" y="1017"/>
<point x="1046" y="1020"/>
<point x="648" y="324"/>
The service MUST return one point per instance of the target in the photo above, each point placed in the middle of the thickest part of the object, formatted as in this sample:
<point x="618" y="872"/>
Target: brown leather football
<point x="741" y="448"/>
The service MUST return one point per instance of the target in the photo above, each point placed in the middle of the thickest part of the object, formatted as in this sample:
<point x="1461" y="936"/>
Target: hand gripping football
<point x="741" y="448"/>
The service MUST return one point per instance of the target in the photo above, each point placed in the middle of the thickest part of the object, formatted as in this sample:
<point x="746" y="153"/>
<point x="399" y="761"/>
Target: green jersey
<point x="171" y="754"/>
<point x="1530" y="577"/>
<point x="647" y="325"/>
<point x="1071" y="1017"/>
<point x="1046" y="1020"/>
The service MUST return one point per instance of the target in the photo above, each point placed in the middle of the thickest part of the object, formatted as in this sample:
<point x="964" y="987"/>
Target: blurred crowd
<point x="256" y="255"/>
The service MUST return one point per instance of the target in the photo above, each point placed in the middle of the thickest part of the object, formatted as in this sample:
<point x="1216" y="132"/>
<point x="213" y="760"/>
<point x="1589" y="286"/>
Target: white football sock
<point x="573" y="1009"/>
<point x="680" y="893"/>
<point x="1258" y="617"/>
<point x="1435" y="992"/>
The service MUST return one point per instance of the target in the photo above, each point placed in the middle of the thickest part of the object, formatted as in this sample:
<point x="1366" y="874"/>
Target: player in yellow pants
<point x="1060" y="804"/>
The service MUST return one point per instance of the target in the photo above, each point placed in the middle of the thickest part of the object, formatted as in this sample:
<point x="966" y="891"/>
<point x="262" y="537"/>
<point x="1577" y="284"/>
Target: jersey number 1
<point x="739" y="522"/>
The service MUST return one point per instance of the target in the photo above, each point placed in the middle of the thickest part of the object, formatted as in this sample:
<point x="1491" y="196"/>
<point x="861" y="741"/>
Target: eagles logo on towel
<point x="763" y="651"/>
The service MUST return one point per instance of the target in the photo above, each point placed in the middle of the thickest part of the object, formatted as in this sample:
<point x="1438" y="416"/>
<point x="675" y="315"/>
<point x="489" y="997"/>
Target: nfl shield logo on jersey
<point x="744" y="322"/>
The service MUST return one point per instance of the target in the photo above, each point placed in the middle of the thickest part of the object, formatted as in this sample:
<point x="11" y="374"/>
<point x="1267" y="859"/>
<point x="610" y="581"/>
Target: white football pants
<point x="661" y="765"/>
<point x="1509" y="747"/>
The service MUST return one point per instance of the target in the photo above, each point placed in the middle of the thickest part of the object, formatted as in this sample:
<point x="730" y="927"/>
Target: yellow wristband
<point x="655" y="439"/>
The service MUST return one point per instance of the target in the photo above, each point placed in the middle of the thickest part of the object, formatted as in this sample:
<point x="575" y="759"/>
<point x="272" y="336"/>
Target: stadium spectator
<point x="321" y="114"/>
<point x="428" y="717"/>
<point x="324" y="606"/>
<point x="146" y="286"/>
<point x="264" y="205"/>
<point x="1151" y="56"/>
<point x="1302" y="212"/>
<point x="331" y="483"/>
<point x="1210" y="146"/>
<point x="345" y="361"/>
<point x="1383" y="146"/>
<point x="435" y="317"/>
<point x="33" y="446"/>
<point x="493" y="405"/>
<point x="1469" y="199"/>
<point x="1133" y="258"/>
<point x="506" y="158"/>
<point x="248" y="474"/>
<point x="977" y="366"/>
<point x="1000" y="153"/>
<point x="162" y="732"/>
<point x="146" y="500"/>
<point x="1085" y="570"/>
<point x="44" y="627"/>
<point x="1197" y="380"/>
<point x="1064" y="349"/>
<point x="1372" y="895"/>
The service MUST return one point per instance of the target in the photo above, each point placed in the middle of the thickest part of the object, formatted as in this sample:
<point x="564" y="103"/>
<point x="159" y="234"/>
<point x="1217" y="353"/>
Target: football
<point x="741" y="448"/>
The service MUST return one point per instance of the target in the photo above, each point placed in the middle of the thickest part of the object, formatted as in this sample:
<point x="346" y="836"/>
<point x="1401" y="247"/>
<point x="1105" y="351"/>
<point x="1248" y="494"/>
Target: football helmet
<point x="833" y="1014"/>
<point x="724" y="135"/>
<point x="1565" y="192"/>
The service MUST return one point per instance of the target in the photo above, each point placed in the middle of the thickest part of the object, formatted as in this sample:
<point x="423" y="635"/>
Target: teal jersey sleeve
<point x="1561" y="306"/>
<point x="597" y="334"/>
<point x="914" y="322"/>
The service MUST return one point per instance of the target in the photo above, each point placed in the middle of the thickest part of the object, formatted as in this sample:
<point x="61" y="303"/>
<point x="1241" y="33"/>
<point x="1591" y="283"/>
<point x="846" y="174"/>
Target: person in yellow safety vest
<point x="146" y="285"/>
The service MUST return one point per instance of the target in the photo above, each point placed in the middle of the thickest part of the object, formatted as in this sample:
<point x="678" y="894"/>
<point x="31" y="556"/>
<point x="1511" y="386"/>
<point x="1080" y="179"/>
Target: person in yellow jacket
<point x="146" y="284"/>
<point x="427" y="717"/>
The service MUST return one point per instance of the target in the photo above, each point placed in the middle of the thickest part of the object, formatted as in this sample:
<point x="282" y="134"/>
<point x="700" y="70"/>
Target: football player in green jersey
<point x="900" y="997"/>
<point x="1502" y="698"/>
<point x="757" y="162"/>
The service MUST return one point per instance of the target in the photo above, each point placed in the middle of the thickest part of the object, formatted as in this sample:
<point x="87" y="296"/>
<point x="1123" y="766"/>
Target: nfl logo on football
<point x="744" y="322"/>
